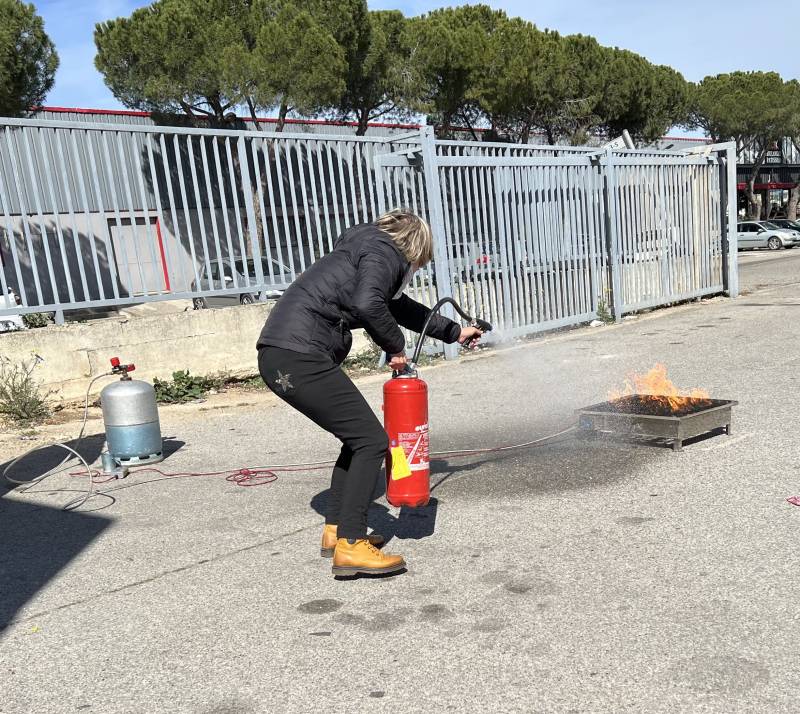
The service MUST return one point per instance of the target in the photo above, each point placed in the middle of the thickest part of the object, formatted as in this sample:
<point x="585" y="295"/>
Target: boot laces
<point x="372" y="547"/>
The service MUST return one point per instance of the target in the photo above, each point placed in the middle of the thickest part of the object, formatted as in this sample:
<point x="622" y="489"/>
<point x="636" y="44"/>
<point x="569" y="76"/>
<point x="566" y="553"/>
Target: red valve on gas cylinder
<point x="123" y="369"/>
<point x="405" y="418"/>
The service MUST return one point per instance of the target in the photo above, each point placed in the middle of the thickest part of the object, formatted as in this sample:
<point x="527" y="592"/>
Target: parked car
<point x="785" y="224"/>
<point x="250" y="291"/>
<point x="764" y="234"/>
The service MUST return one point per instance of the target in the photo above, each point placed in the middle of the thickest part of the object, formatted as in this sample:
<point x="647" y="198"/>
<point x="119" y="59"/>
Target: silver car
<point x="282" y="278"/>
<point x="763" y="234"/>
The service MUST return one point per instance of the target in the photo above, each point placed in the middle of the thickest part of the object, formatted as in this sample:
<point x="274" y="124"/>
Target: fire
<point x="656" y="388"/>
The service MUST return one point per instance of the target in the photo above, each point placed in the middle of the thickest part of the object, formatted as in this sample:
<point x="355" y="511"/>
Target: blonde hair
<point x="411" y="234"/>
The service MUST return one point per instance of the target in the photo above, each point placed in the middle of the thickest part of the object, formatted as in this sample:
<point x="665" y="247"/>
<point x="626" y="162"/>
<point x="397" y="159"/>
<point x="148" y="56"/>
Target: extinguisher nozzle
<point x="482" y="325"/>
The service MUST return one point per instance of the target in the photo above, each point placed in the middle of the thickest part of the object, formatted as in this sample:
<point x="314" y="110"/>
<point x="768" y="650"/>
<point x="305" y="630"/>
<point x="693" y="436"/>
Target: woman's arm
<point x="371" y="303"/>
<point x="412" y="315"/>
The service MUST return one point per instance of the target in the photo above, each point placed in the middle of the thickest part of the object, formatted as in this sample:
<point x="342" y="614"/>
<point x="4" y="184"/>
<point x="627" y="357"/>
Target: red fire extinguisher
<point x="405" y="418"/>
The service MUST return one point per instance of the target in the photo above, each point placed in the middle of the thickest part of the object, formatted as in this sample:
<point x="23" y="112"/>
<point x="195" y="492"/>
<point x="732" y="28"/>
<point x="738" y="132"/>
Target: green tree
<point x="296" y="64"/>
<point x="169" y="57"/>
<point x="449" y="50"/>
<point x="376" y="52"/>
<point x="206" y="57"/>
<point x="644" y="99"/>
<point x="28" y="59"/>
<point x="754" y="109"/>
<point x="570" y="87"/>
<point x="538" y="80"/>
<point x="584" y="69"/>
<point x="524" y="82"/>
<point x="378" y="80"/>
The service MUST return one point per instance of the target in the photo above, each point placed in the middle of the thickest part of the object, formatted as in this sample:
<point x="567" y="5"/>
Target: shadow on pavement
<point x="38" y="542"/>
<point x="413" y="523"/>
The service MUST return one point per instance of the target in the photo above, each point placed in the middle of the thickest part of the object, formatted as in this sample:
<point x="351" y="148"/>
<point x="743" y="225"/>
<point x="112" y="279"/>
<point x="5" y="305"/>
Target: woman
<point x="306" y="338"/>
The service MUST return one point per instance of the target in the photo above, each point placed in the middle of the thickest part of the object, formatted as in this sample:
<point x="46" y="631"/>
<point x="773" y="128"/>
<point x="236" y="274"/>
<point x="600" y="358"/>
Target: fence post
<point x="380" y="186"/>
<point x="612" y="236"/>
<point x="249" y="208"/>
<point x="436" y="217"/>
<point x="730" y="238"/>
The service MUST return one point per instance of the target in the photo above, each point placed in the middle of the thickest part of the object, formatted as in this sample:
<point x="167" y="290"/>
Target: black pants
<point x="318" y="388"/>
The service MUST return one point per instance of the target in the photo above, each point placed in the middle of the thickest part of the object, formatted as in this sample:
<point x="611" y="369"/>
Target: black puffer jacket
<point x="349" y="288"/>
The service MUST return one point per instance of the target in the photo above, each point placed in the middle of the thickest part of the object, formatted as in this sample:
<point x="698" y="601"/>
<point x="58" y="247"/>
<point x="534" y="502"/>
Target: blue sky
<point x="697" y="38"/>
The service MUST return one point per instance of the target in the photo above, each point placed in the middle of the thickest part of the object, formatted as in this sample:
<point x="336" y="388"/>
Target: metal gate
<point x="531" y="237"/>
<point x="668" y="233"/>
<point x="536" y="238"/>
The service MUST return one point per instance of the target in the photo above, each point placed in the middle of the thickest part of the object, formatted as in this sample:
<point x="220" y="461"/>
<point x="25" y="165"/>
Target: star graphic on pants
<point x="283" y="380"/>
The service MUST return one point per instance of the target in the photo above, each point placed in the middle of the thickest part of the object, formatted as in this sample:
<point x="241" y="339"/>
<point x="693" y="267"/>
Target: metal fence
<point x="531" y="237"/>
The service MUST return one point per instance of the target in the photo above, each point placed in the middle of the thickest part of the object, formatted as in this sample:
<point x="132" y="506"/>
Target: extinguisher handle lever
<point x="409" y="370"/>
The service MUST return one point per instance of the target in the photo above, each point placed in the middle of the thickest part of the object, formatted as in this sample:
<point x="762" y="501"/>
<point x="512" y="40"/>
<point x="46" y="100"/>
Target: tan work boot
<point x="361" y="556"/>
<point x="329" y="540"/>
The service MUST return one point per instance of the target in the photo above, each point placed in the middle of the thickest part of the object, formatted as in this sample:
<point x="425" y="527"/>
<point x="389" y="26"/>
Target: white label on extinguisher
<point x="415" y="446"/>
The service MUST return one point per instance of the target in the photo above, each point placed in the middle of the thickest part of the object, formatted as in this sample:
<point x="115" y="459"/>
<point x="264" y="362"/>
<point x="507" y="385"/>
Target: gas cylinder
<point x="130" y="413"/>
<point x="405" y="418"/>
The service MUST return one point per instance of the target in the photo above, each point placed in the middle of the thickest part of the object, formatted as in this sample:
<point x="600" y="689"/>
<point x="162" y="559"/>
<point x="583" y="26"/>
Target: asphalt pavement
<point x="575" y="576"/>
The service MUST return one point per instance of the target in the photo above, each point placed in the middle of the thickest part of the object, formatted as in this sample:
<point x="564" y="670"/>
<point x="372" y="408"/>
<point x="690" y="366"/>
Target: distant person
<point x="306" y="338"/>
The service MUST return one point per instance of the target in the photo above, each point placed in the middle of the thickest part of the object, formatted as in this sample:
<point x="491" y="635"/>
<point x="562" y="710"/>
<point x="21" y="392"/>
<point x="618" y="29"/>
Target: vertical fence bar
<point x="612" y="236"/>
<point x="487" y="221"/>
<point x="488" y="265"/>
<point x="314" y="201"/>
<point x="529" y="225"/>
<point x="324" y="191"/>
<point x="730" y="273"/>
<point x="342" y="186"/>
<point x="198" y="209"/>
<point x="148" y="230"/>
<point x="110" y="257"/>
<point x="237" y="212"/>
<point x="109" y="166"/>
<point x="332" y="183"/>
<point x="274" y="147"/>
<point x="308" y="228"/>
<point x="298" y="240"/>
<point x="545" y="274"/>
<point x="357" y="157"/>
<point x="500" y="192"/>
<point x="212" y="208"/>
<point x="173" y="212"/>
<point x="250" y="213"/>
<point x="515" y="198"/>
<point x="20" y="189"/>
<point x="553" y="243"/>
<point x="12" y="241"/>
<point x="290" y="248"/>
<point x="256" y="148"/>
<point x="38" y="205"/>
<point x="263" y="241"/>
<point x="123" y="166"/>
<point x="437" y="222"/>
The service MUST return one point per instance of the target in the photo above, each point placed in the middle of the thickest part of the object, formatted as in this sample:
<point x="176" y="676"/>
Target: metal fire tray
<point x="629" y="417"/>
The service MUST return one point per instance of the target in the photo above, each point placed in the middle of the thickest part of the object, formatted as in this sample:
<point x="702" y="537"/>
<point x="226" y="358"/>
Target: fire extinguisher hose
<point x="482" y="325"/>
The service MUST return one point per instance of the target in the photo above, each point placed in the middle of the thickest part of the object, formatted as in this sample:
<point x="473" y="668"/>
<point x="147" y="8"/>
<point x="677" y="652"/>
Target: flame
<point x="657" y="388"/>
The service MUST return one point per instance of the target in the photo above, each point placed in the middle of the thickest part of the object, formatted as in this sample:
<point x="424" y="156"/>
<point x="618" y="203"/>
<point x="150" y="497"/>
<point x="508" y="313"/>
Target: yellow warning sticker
<point x="400" y="467"/>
